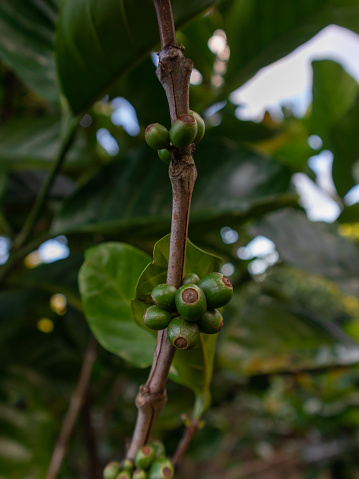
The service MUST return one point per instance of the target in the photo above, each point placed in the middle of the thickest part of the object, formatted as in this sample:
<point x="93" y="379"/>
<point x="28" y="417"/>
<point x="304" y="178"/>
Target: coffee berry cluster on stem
<point x="190" y="310"/>
<point x="185" y="130"/>
<point x="150" y="463"/>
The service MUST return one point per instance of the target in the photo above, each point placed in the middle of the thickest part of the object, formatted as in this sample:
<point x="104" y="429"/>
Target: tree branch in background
<point x="76" y="403"/>
<point x="182" y="447"/>
<point x="174" y="71"/>
<point x="66" y="143"/>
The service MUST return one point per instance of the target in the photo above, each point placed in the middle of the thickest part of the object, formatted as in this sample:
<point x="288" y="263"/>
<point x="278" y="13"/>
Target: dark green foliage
<point x="217" y="288"/>
<point x="191" y="302"/>
<point x="164" y="296"/>
<point x="183" y="334"/>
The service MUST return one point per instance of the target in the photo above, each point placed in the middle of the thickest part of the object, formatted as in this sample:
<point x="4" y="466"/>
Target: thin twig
<point x="42" y="196"/>
<point x="165" y="23"/>
<point x="76" y="402"/>
<point x="174" y="72"/>
<point x="182" y="447"/>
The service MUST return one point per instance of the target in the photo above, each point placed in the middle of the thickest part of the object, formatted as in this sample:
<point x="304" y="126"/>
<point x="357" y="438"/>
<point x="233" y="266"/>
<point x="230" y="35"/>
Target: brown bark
<point x="174" y="71"/>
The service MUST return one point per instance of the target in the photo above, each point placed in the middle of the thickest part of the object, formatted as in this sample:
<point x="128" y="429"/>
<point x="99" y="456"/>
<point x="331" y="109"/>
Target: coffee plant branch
<point x="173" y="71"/>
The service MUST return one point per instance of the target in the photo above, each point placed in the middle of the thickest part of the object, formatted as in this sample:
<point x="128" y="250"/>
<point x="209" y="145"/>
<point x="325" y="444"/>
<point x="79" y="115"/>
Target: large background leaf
<point x="107" y="282"/>
<point x="27" y="31"/>
<point x="117" y="42"/>
<point x="313" y="247"/>
<point x="231" y="182"/>
<point x="269" y="336"/>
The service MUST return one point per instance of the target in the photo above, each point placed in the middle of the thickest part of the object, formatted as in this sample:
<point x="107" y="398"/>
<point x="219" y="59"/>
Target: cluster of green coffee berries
<point x="184" y="131"/>
<point x="150" y="463"/>
<point x="190" y="310"/>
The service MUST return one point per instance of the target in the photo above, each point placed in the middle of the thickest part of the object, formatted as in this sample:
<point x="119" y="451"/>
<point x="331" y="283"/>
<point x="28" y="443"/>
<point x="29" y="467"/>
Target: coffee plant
<point x="142" y="334"/>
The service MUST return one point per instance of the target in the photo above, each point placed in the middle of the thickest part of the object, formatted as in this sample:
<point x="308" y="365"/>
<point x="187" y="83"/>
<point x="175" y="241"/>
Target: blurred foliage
<point x="285" y="377"/>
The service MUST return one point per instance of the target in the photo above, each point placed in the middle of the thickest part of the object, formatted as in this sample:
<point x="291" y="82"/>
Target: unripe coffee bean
<point x="161" y="469"/>
<point x="182" y="334"/>
<point x="201" y="127"/>
<point x="157" y="136"/>
<point x="211" y="322"/>
<point x="144" y="457"/>
<point x="191" y="302"/>
<point x="156" y="318"/>
<point x="183" y="131"/>
<point x="165" y="156"/>
<point x="164" y="296"/>
<point x="191" y="278"/>
<point x="217" y="288"/>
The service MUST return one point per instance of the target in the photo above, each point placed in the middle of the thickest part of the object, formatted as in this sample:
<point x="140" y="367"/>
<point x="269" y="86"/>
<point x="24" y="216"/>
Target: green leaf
<point x="96" y="42"/>
<point x="191" y="368"/>
<point x="231" y="183"/>
<point x="350" y="214"/>
<point x="27" y="31"/>
<point x="345" y="146"/>
<point x="334" y="93"/>
<point x="268" y="337"/>
<point x="259" y="33"/>
<point x="107" y="282"/>
<point x="313" y="247"/>
<point x="34" y="143"/>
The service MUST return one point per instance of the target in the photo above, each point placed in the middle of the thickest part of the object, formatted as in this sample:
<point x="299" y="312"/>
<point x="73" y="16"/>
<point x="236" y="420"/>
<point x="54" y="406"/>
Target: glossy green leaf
<point x="231" y="182"/>
<point x="191" y="368"/>
<point x="334" y="93"/>
<point x="314" y="247"/>
<point x="269" y="337"/>
<point x="96" y="42"/>
<point x="27" y="31"/>
<point x="107" y="282"/>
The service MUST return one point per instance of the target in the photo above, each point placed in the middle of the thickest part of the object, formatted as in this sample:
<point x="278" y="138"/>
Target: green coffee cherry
<point x="159" y="448"/>
<point x="127" y="465"/>
<point x="165" y="156"/>
<point x="139" y="474"/>
<point x="164" y="296"/>
<point x="183" y="131"/>
<point x="145" y="457"/>
<point x="124" y="475"/>
<point x="191" y="302"/>
<point x="211" y="322"/>
<point x="161" y="469"/>
<point x="157" y="136"/>
<point x="201" y="127"/>
<point x="182" y="334"/>
<point x="191" y="278"/>
<point x="156" y="318"/>
<point x="217" y="288"/>
<point x="111" y="470"/>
